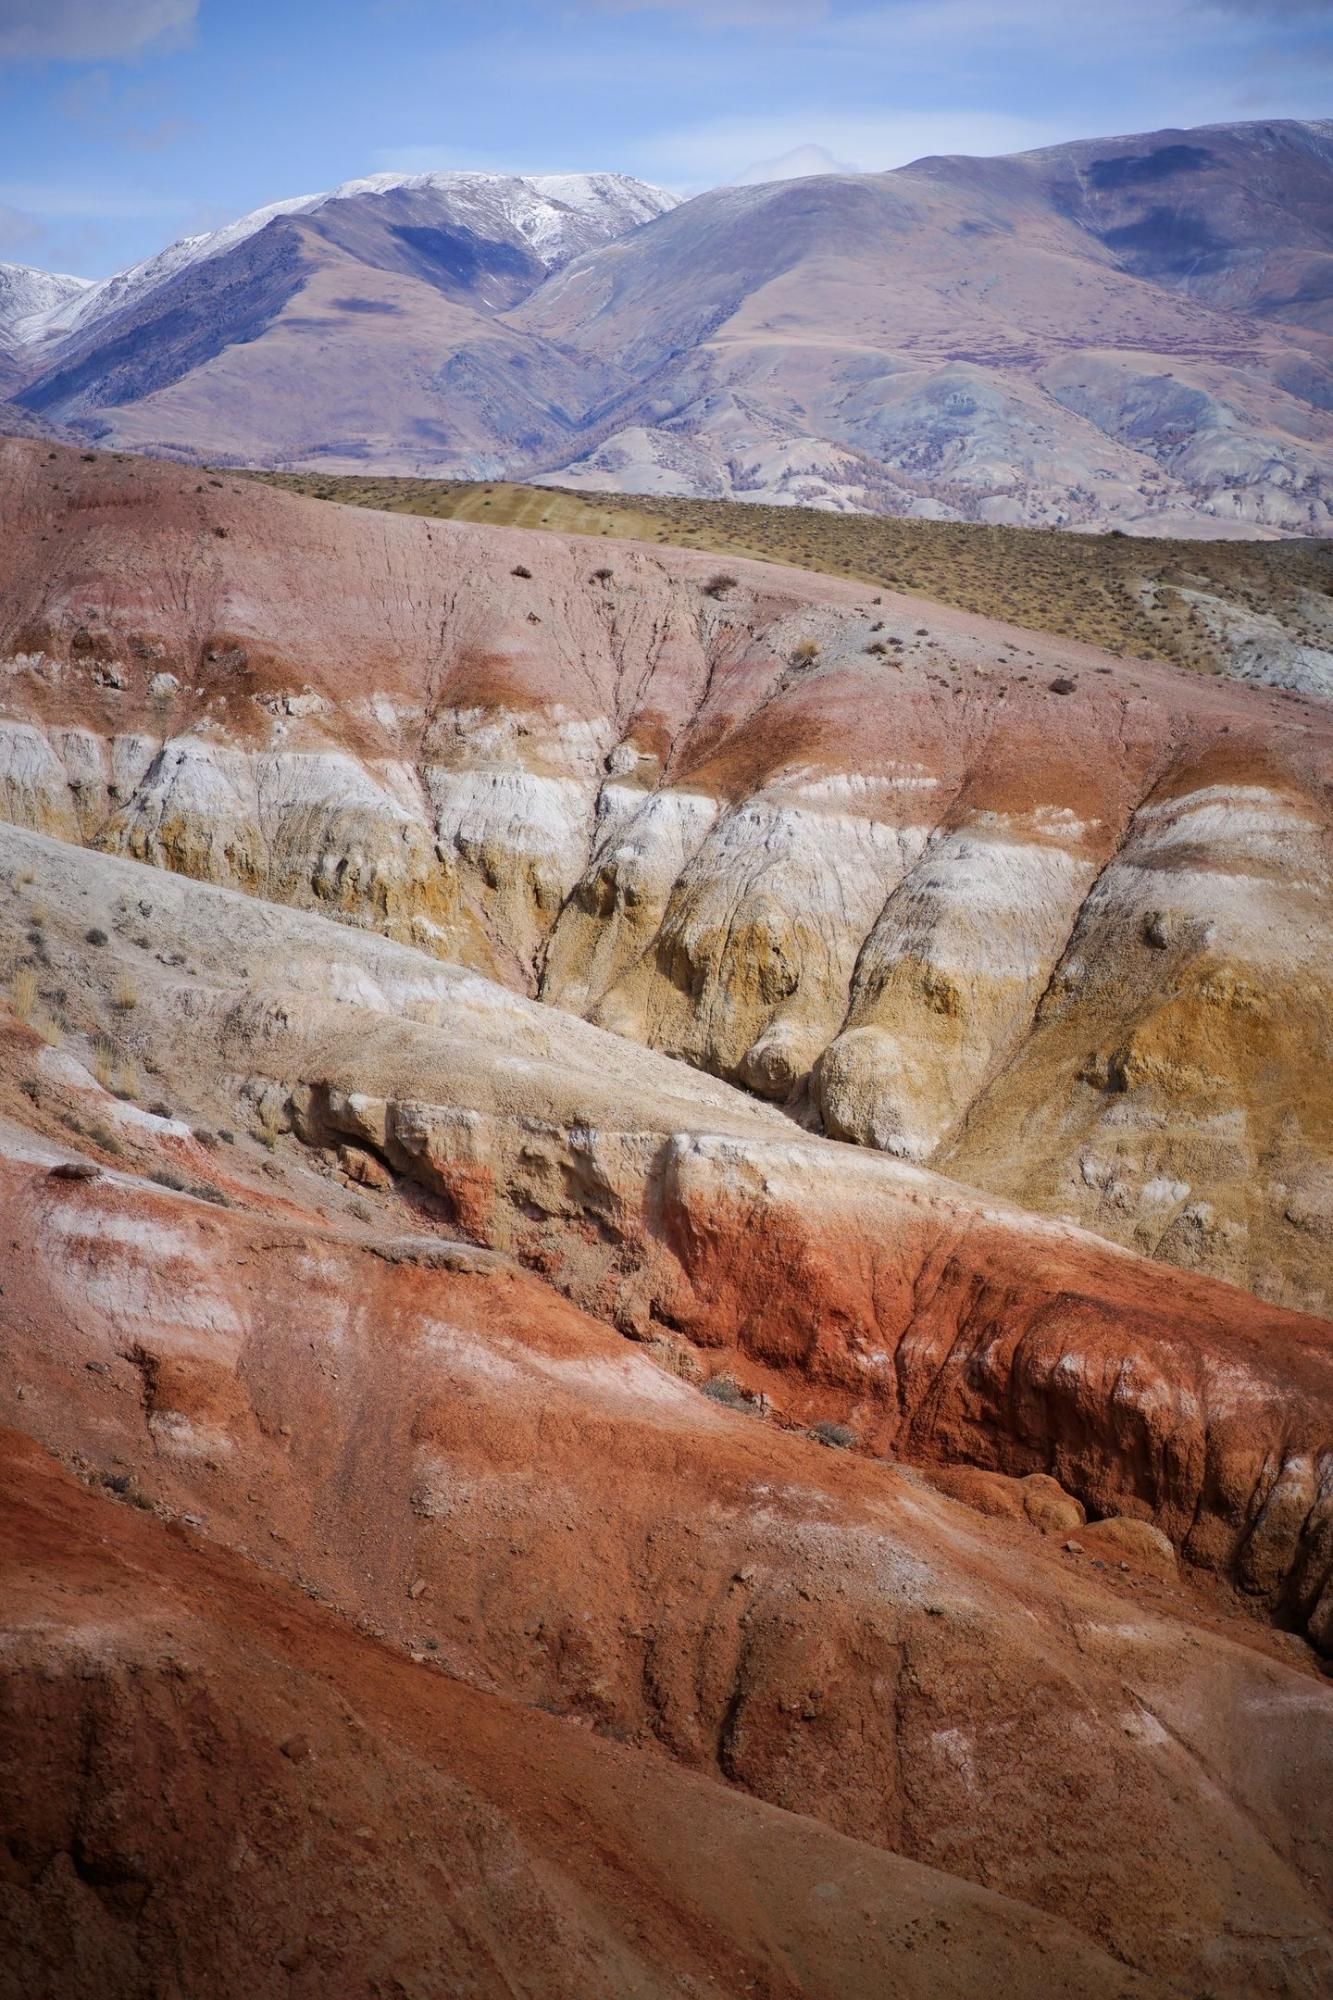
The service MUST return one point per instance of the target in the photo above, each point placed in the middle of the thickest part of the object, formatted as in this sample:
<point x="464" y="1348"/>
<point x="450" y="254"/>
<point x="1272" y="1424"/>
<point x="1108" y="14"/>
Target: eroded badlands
<point x="988" y="901"/>
<point x="492" y="1506"/>
<point x="369" y="1333"/>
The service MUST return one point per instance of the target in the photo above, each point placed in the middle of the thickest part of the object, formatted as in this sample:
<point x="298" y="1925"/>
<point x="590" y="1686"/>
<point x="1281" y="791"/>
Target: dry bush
<point x="24" y="998"/>
<point x="115" y="1071"/>
<point x="27" y="1005"/>
<point x="838" y="1436"/>
<point x="269" y="1122"/>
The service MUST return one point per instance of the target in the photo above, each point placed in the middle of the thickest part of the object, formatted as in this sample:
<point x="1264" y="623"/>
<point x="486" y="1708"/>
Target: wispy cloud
<point x="19" y="232"/>
<point x="701" y="155"/>
<point x="89" y="30"/>
<point x="134" y="116"/>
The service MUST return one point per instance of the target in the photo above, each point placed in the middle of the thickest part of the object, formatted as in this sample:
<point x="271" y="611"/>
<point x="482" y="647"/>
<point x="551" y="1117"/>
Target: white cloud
<point x="798" y="164"/>
<point x="89" y="30"/>
<point x="703" y="155"/>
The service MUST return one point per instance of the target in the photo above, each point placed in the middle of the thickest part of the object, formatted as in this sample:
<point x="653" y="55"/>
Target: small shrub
<point x="521" y="569"/>
<point x="205" y="1191"/>
<point x="718" y="586"/>
<point x="26" y="1003"/>
<point x="725" y="1389"/>
<point x="125" y="1084"/>
<point x="602" y="575"/>
<point x="268" y="1121"/>
<point x="837" y="1436"/>
<point x="24" y="997"/>
<point x="805" y="652"/>
<point x="95" y="936"/>
<point x="124" y="995"/>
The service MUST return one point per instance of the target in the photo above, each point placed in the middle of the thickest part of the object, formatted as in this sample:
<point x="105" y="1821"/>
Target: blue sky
<point x="127" y="123"/>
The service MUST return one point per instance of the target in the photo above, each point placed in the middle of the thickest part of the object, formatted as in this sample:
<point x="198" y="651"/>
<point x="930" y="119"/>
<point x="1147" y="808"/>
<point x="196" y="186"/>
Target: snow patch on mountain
<point x="28" y="297"/>
<point x="557" y="215"/>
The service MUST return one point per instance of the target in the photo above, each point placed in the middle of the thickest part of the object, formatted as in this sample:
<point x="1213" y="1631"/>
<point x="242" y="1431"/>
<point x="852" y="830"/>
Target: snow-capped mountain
<point x="29" y="298"/>
<point x="558" y="216"/>
<point x="1132" y="331"/>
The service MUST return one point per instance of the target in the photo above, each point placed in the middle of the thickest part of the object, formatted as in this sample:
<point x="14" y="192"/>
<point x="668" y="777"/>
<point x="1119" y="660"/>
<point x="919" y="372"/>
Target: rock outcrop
<point x="1053" y="920"/>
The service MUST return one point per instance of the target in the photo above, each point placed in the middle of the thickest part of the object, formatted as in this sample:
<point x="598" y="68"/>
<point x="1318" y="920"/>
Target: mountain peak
<point x="557" y="215"/>
<point x="27" y="296"/>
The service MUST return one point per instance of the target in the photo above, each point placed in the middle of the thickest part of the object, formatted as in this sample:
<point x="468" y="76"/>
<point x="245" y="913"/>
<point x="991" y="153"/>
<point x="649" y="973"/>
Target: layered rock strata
<point x="847" y="1287"/>
<point x="1054" y="920"/>
<point x="322" y="1253"/>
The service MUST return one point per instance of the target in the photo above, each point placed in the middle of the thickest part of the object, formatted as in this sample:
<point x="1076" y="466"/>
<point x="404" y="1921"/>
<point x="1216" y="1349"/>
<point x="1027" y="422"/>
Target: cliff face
<point x="1055" y="921"/>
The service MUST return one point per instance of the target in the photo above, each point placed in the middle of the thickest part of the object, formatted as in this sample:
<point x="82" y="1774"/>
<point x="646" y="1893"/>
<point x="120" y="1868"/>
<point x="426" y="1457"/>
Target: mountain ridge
<point x="1131" y="331"/>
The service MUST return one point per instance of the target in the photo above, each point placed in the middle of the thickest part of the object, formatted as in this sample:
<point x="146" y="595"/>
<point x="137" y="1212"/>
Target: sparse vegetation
<point x="1117" y="591"/>
<point x="167" y="1177"/>
<point x="725" y="1389"/>
<point x="27" y="1005"/>
<point x="838" y="1436"/>
<point x="805" y="652"/>
<point x="719" y="585"/>
<point x="24" y="997"/>
<point x="269" y="1123"/>
<point x="98" y="1134"/>
<point x="115" y="1071"/>
<point x="124" y="994"/>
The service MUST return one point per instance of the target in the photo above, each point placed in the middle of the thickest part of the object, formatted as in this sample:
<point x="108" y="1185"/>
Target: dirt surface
<point x="1127" y="594"/>
<point x="235" y="1791"/>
